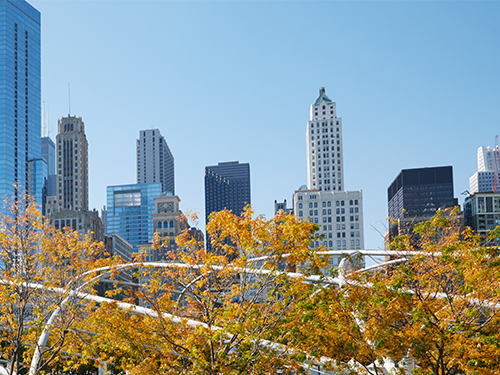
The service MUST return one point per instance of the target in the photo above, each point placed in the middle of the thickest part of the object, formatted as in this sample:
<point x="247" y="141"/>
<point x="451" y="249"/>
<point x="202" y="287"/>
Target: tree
<point x="231" y="305"/>
<point x="40" y="268"/>
<point x="439" y="309"/>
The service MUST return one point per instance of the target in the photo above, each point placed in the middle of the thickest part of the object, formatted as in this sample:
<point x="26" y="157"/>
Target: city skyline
<point x="230" y="89"/>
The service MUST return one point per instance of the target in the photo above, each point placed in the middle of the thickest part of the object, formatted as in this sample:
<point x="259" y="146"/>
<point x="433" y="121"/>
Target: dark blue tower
<point x="227" y="186"/>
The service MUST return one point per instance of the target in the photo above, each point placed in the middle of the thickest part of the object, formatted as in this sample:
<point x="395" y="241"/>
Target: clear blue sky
<point x="416" y="83"/>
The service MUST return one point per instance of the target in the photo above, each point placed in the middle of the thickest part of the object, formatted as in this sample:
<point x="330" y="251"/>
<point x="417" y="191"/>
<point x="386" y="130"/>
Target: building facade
<point x="324" y="201"/>
<point x="49" y="154"/>
<point x="70" y="206"/>
<point x="484" y="179"/>
<point x="128" y="212"/>
<point x="155" y="162"/>
<point x="420" y="192"/>
<point x="324" y="146"/>
<point x="227" y="186"/>
<point x="169" y="222"/>
<point x="482" y="212"/>
<point x="20" y="97"/>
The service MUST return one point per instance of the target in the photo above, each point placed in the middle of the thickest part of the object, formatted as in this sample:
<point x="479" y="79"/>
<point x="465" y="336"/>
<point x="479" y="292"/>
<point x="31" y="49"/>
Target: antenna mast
<point x="69" y="99"/>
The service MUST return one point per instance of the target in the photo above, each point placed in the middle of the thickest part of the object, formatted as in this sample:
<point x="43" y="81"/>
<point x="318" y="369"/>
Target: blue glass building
<point x="20" y="92"/>
<point x="129" y="209"/>
<point x="49" y="154"/>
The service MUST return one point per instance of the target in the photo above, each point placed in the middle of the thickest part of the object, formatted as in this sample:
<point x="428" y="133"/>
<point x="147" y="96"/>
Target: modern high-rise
<point x="155" y="162"/>
<point x="338" y="213"/>
<point x="227" y="186"/>
<point x="420" y="192"/>
<point x="484" y="179"/>
<point x="70" y="206"/>
<point x="49" y="154"/>
<point x="20" y="97"/>
<point x="128" y="212"/>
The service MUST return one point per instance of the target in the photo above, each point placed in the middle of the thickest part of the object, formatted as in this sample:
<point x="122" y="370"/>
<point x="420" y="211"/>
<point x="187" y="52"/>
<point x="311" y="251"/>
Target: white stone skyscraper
<point x="324" y="146"/>
<point x="155" y="162"/>
<point x="338" y="213"/>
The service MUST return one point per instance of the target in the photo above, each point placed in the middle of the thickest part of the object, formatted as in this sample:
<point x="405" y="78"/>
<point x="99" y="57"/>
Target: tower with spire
<point x="339" y="213"/>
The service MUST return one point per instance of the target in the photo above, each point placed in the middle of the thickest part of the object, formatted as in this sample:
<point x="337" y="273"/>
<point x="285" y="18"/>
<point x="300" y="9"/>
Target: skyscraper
<point x="155" y="162"/>
<point x="20" y="117"/>
<point x="128" y="212"/>
<point x="339" y="213"/>
<point x="484" y="179"/>
<point x="324" y="146"/>
<point x="49" y="154"/>
<point x="420" y="192"/>
<point x="227" y="186"/>
<point x="70" y="205"/>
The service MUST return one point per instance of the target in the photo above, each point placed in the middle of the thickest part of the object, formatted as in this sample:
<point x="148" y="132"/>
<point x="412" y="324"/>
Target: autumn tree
<point x="40" y="269"/>
<point x="216" y="312"/>
<point x="438" y="310"/>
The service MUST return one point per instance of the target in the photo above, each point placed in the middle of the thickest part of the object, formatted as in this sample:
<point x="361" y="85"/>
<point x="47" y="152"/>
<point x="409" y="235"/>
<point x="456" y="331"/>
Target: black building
<point x="421" y="192"/>
<point x="227" y="186"/>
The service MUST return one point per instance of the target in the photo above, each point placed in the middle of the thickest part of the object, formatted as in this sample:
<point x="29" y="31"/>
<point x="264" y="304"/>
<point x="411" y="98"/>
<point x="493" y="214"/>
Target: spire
<point x="322" y="97"/>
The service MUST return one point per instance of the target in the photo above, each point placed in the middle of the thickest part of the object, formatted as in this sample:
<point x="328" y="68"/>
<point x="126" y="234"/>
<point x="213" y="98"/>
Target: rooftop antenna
<point x="69" y="99"/>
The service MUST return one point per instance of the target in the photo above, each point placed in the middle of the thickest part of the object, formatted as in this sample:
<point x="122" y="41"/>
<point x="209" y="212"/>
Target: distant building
<point x="37" y="181"/>
<point x="169" y="222"/>
<point x="128" y="212"/>
<point x="282" y="206"/>
<point x="155" y="162"/>
<point x="421" y="192"/>
<point x="339" y="216"/>
<point x="482" y="212"/>
<point x="227" y="186"/>
<point x="484" y="179"/>
<point x="486" y="158"/>
<point x="20" y="100"/>
<point x="117" y="245"/>
<point x="70" y="206"/>
<point x="338" y="213"/>
<point x="114" y="244"/>
<point x="49" y="154"/>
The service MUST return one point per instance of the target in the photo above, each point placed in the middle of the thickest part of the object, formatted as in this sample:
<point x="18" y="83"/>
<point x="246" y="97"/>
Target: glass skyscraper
<point x="227" y="186"/>
<point x="129" y="209"/>
<point x="20" y="93"/>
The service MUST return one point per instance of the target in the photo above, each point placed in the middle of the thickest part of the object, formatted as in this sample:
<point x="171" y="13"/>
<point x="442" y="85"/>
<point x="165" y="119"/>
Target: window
<point x="300" y="205"/>
<point x="159" y="224"/>
<point x="300" y="213"/>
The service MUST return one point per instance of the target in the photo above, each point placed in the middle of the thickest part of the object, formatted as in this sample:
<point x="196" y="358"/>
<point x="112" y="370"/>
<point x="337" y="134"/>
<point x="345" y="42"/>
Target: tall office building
<point x="339" y="213"/>
<point x="483" y="180"/>
<point x="486" y="158"/>
<point x="155" y="162"/>
<point x="324" y="146"/>
<point x="20" y="114"/>
<point x="420" y="192"/>
<point x="128" y="212"/>
<point x="49" y="154"/>
<point x="70" y="206"/>
<point x="227" y="186"/>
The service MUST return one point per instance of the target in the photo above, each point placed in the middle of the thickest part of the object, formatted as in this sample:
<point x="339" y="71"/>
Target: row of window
<point x="329" y="203"/>
<point x="165" y="224"/>
<point x="340" y="243"/>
